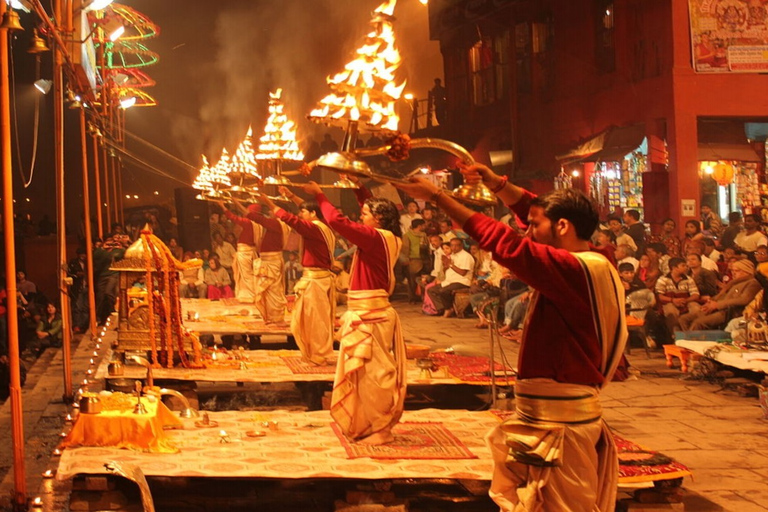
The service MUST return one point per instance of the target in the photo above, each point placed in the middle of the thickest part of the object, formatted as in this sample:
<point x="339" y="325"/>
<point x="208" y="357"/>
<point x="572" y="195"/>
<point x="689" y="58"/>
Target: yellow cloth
<point x="370" y="385"/>
<point x="544" y="465"/>
<point x="269" y="290"/>
<point x="243" y="272"/>
<point x="314" y="314"/>
<point x="123" y="429"/>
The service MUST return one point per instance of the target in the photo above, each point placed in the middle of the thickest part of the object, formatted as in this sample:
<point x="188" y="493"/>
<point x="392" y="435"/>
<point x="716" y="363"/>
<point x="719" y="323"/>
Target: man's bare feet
<point x="381" y="437"/>
<point x="505" y="329"/>
<point x="448" y="313"/>
<point x="481" y="325"/>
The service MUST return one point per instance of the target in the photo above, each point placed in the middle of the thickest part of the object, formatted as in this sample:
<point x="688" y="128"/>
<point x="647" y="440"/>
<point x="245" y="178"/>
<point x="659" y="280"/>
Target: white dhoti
<point x="557" y="454"/>
<point x="370" y="384"/>
<point x="243" y="273"/>
<point x="314" y="314"/>
<point x="269" y="292"/>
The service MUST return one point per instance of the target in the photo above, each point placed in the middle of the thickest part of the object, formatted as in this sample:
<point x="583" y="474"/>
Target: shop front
<point x="731" y="169"/>
<point x="610" y="168"/>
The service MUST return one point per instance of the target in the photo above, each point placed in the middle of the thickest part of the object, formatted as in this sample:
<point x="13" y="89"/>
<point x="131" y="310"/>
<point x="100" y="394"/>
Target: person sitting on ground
<point x="603" y="241"/>
<point x="625" y="254"/>
<point x="705" y="279"/>
<point x="458" y="276"/>
<point x="761" y="254"/>
<point x="192" y="281"/>
<point x="697" y="247"/>
<point x="658" y="251"/>
<point x="619" y="236"/>
<point x="668" y="236"/>
<point x="727" y="304"/>
<point x="49" y="331"/>
<point x="635" y="229"/>
<point x="648" y="271"/>
<point x="692" y="234"/>
<point x="751" y="238"/>
<point x="677" y="295"/>
<point x="733" y="229"/>
<point x="342" y="281"/>
<point x="217" y="279"/>
<point x="410" y="214"/>
<point x="710" y="251"/>
<point x="711" y="223"/>
<point x="446" y="233"/>
<point x="435" y="278"/>
<point x="637" y="296"/>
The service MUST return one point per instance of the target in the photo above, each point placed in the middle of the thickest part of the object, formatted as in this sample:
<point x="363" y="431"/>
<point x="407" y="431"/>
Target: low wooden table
<point x="685" y="355"/>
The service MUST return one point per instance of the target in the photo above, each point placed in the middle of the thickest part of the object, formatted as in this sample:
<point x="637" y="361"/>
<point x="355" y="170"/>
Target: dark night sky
<point x="218" y="60"/>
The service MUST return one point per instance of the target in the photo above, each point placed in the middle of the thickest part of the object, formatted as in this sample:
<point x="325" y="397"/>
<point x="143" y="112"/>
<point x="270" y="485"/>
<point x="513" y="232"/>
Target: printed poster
<point x="729" y="36"/>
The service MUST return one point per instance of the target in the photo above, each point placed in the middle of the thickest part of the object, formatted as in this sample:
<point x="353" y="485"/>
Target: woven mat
<point x="470" y="368"/>
<point x="231" y="301"/>
<point x="262" y="327"/>
<point x="412" y="441"/>
<point x="298" y="366"/>
<point x="636" y="464"/>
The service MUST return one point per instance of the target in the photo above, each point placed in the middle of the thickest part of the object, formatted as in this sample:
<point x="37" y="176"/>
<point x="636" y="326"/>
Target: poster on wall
<point x="729" y="36"/>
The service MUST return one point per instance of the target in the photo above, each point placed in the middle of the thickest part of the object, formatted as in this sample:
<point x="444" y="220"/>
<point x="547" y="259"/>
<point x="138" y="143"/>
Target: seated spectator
<point x="410" y="214"/>
<point x="669" y="238"/>
<point x="706" y="280"/>
<point x="175" y="248"/>
<point x="761" y="254"/>
<point x="619" y="236"/>
<point x="49" y="333"/>
<point x="648" y="271"/>
<point x="458" y="276"/>
<point x="192" y="281"/>
<point x="217" y="279"/>
<point x="625" y="254"/>
<point x="733" y="229"/>
<point x="341" y="283"/>
<point x="697" y="247"/>
<point x="727" y="304"/>
<point x="677" y="294"/>
<point x="514" y="314"/>
<point x="26" y="288"/>
<point x="692" y="234"/>
<point x="635" y="229"/>
<point x="637" y="296"/>
<point x="710" y="251"/>
<point x="751" y="238"/>
<point x="658" y="251"/>
<point x="436" y="277"/>
<point x="604" y="243"/>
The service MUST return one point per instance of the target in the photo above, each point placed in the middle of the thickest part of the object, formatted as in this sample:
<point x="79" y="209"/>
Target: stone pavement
<point x="718" y="434"/>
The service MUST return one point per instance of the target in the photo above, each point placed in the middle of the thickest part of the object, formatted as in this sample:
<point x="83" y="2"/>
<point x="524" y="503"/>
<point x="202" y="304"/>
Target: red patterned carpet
<point x="412" y="441"/>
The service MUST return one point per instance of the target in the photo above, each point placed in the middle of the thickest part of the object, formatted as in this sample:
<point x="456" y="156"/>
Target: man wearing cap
<point x="728" y="303"/>
<point x="247" y="251"/>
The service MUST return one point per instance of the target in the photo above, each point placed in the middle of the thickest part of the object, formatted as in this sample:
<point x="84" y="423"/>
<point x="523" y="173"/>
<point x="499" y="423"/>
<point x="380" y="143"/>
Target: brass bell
<point x="37" y="44"/>
<point x="11" y="21"/>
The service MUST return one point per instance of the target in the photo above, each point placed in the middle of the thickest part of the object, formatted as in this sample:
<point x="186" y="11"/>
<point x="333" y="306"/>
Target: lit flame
<point x="279" y="139"/>
<point x="210" y="179"/>
<point x="244" y="159"/>
<point x="366" y="90"/>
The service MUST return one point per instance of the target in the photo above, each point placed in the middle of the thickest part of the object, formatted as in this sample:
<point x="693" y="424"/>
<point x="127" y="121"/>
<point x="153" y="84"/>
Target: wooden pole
<point x="97" y="185"/>
<point x="17" y="414"/>
<point x="88" y="234"/>
<point x="61" y="218"/>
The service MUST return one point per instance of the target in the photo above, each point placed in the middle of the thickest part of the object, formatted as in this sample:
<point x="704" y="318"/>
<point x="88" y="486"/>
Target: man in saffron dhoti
<point x="247" y="251"/>
<point x="314" y="312"/>
<point x="268" y="287"/>
<point x="556" y="453"/>
<point x="370" y="383"/>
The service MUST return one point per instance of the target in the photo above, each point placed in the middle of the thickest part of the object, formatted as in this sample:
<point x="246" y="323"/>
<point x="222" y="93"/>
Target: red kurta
<point x="315" y="248"/>
<point x="560" y="341"/>
<point x="372" y="270"/>
<point x="273" y="232"/>
<point x="246" y="235"/>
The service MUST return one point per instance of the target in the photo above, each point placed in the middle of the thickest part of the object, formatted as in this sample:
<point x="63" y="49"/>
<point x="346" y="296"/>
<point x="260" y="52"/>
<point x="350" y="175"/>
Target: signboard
<point x="729" y="36"/>
<point x="688" y="207"/>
